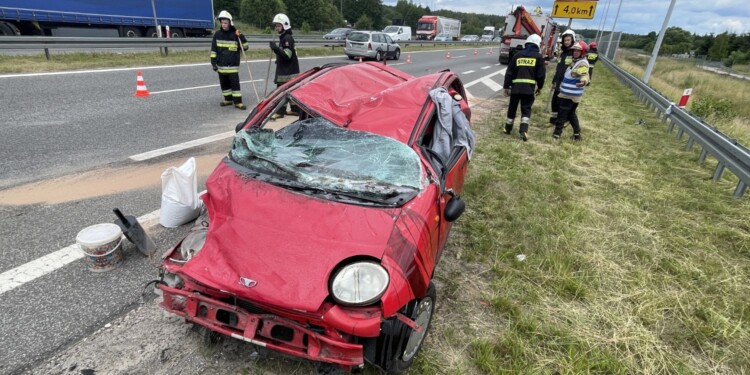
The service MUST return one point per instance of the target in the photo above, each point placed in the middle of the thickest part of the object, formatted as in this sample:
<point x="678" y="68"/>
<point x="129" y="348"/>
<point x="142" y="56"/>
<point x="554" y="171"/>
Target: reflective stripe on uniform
<point x="524" y="80"/>
<point x="237" y="94"/>
<point x="286" y="78"/>
<point x="288" y="52"/>
<point x="229" y="71"/>
<point x="213" y="54"/>
<point x="232" y="46"/>
<point x="245" y="46"/>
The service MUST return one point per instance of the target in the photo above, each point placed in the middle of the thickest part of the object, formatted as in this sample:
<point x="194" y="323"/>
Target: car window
<point x="388" y="39"/>
<point x="315" y="155"/>
<point x="359" y="37"/>
<point x="390" y="29"/>
<point x="378" y="38"/>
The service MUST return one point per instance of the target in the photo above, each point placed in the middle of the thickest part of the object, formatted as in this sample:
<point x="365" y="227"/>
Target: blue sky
<point x="636" y="16"/>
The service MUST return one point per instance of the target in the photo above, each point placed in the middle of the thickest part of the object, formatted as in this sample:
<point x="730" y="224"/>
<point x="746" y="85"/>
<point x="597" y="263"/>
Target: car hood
<point x="287" y="243"/>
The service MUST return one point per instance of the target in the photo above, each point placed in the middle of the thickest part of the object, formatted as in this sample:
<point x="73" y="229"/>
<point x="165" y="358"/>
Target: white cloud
<point x="636" y="17"/>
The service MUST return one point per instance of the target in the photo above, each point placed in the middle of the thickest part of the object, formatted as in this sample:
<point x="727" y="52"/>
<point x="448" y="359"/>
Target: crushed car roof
<point x="370" y="97"/>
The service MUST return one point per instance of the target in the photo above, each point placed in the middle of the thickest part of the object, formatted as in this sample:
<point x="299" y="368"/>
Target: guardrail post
<point x="680" y="133"/>
<point x="741" y="187"/>
<point x="718" y="171"/>
<point x="689" y="144"/>
<point x="702" y="158"/>
<point x="46" y="53"/>
<point x="670" y="128"/>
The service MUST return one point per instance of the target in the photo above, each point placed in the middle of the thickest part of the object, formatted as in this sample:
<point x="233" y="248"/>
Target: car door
<point x="448" y="172"/>
<point x="390" y="45"/>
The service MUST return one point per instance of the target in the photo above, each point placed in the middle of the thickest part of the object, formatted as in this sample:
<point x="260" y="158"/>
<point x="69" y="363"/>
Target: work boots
<point x="524" y="130"/>
<point x="226" y="103"/>
<point x="240" y="106"/>
<point x="508" y="125"/>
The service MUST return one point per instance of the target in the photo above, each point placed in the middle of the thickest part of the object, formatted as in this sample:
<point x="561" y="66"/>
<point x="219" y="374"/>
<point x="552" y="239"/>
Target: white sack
<point x="179" y="195"/>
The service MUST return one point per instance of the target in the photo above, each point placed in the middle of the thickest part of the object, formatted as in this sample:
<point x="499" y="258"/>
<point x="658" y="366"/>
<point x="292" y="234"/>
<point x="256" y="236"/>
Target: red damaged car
<point x="324" y="227"/>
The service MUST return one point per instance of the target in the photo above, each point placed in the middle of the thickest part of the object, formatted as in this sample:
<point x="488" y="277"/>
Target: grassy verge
<point x="671" y="77"/>
<point x="635" y="261"/>
<point x="93" y="60"/>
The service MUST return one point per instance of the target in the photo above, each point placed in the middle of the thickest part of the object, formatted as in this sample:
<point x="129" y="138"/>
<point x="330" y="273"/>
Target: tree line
<point x="324" y="15"/>
<point x="727" y="47"/>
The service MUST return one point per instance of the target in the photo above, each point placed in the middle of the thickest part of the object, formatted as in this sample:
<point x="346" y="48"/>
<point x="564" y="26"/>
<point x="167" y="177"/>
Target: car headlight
<point x="193" y="243"/>
<point x="360" y="283"/>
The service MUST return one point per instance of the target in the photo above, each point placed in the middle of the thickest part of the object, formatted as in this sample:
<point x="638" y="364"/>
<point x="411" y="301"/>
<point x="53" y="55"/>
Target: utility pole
<point x="601" y="24"/>
<point x="655" y="52"/>
<point x="609" y="44"/>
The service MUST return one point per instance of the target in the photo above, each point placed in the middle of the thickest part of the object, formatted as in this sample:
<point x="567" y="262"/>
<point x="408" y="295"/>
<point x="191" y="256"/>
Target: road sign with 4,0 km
<point x="574" y="9"/>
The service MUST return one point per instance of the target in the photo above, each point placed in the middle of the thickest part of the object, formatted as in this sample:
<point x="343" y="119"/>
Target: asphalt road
<point x="57" y="129"/>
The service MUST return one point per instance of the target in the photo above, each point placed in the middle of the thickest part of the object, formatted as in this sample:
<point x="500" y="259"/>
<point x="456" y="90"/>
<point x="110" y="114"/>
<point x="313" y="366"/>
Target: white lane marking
<point x="485" y="67"/>
<point x="480" y="79"/>
<point x="468" y="72"/>
<point x="90" y="71"/>
<point x="197" y="87"/>
<point x="492" y="85"/>
<point x="396" y="64"/>
<point x="39" y="267"/>
<point x="181" y="146"/>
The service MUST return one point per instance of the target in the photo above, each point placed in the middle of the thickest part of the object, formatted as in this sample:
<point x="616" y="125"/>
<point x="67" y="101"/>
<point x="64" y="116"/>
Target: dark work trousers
<point x="591" y="72"/>
<point x="230" y="87"/>
<point x="292" y="107"/>
<point x="567" y="112"/>
<point x="526" y="101"/>
<point x="555" y="107"/>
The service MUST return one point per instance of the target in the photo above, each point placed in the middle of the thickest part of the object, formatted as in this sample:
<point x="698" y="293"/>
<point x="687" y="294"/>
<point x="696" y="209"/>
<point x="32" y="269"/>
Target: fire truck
<point x="519" y="24"/>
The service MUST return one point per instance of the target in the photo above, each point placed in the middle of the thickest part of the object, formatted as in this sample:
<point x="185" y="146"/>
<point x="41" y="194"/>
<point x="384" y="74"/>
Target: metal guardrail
<point x="41" y="42"/>
<point x="728" y="152"/>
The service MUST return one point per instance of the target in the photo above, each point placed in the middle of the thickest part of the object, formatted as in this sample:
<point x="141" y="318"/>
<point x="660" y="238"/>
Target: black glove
<point x="273" y="45"/>
<point x="214" y="67"/>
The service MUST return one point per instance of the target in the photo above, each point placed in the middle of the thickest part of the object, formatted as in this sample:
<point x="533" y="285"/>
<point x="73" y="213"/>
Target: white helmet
<point x="534" y="39"/>
<point x="571" y="33"/>
<point x="283" y="20"/>
<point x="225" y="14"/>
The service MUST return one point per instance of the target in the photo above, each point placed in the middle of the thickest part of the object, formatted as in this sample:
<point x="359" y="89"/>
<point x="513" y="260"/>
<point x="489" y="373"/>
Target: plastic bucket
<point x="101" y="245"/>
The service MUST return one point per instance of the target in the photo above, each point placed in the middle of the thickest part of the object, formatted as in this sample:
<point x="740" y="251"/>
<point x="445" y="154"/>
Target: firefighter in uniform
<point x="568" y="40"/>
<point x="571" y="91"/>
<point x="287" y="65"/>
<point x="225" y="59"/>
<point x="523" y="80"/>
<point x="592" y="57"/>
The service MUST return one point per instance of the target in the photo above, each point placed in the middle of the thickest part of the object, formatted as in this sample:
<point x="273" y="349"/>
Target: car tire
<point x="398" y="345"/>
<point x="176" y="33"/>
<point x="350" y="57"/>
<point x="378" y="56"/>
<point x="397" y="54"/>
<point x="8" y="29"/>
<point x="151" y="33"/>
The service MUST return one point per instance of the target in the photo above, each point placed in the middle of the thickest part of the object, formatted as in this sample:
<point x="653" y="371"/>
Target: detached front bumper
<point x="265" y="329"/>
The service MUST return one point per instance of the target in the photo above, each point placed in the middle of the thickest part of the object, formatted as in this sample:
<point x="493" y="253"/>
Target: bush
<point x="712" y="107"/>
<point x="305" y="27"/>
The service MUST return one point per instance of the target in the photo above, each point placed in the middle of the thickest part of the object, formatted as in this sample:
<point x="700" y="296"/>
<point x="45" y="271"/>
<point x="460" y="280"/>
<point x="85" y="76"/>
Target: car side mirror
<point x="454" y="208"/>
<point x="239" y="126"/>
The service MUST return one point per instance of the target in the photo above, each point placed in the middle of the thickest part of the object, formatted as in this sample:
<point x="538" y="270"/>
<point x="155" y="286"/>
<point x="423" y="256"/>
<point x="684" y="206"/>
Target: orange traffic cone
<point x="475" y="51"/>
<point x="448" y="55"/>
<point x="140" y="88"/>
<point x="408" y="58"/>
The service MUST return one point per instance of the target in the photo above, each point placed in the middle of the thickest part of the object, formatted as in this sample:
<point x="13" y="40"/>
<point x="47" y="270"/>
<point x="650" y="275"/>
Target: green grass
<point x="672" y="76"/>
<point x="92" y="60"/>
<point x="636" y="262"/>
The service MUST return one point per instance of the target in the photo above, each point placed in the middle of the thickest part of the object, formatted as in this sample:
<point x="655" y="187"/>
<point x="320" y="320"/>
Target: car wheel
<point x="398" y="345"/>
<point x="151" y="32"/>
<point x="397" y="54"/>
<point x="131" y="32"/>
<point x="351" y="57"/>
<point x="378" y="56"/>
<point x="176" y="33"/>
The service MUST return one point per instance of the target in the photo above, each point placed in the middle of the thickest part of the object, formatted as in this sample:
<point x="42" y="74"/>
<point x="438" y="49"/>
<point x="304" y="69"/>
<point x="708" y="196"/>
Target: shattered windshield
<point x="317" y="156"/>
